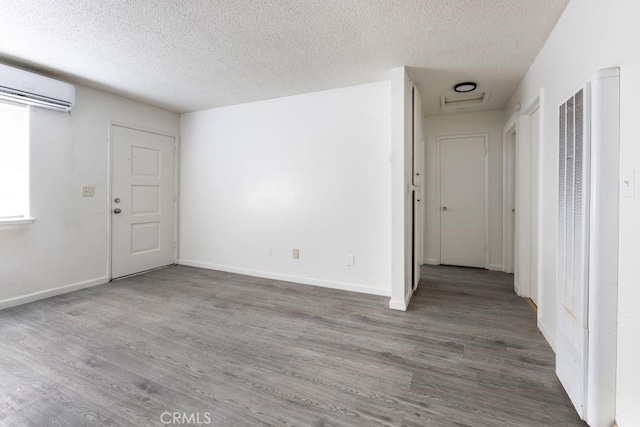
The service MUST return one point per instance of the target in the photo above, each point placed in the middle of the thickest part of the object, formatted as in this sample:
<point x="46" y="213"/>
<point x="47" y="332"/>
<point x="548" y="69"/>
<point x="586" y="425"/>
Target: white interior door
<point x="142" y="208"/>
<point x="418" y="179"/>
<point x="512" y="201"/>
<point x="535" y="138"/>
<point x="463" y="201"/>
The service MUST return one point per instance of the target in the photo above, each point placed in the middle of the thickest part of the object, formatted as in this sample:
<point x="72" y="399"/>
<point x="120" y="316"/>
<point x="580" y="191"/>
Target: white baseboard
<point x="495" y="267"/>
<point x="352" y="287"/>
<point x="430" y="261"/>
<point x="396" y="304"/>
<point x="23" y="299"/>
<point x="547" y="335"/>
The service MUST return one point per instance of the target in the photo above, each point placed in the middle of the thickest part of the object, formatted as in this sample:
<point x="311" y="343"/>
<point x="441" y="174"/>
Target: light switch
<point x="296" y="253"/>
<point x="627" y="186"/>
<point x="88" y="191"/>
<point x="351" y="260"/>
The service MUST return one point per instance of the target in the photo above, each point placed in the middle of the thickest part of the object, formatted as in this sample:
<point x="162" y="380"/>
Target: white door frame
<point x="113" y="123"/>
<point x="486" y="192"/>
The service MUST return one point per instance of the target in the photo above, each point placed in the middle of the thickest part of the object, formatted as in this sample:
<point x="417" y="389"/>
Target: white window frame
<point x="26" y="217"/>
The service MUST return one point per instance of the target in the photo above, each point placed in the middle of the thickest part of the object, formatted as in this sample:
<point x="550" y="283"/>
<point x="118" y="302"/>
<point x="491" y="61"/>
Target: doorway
<point x="462" y="163"/>
<point x="143" y="200"/>
<point x="417" y="164"/>
<point x="533" y="116"/>
<point x="510" y="240"/>
<point x="521" y="204"/>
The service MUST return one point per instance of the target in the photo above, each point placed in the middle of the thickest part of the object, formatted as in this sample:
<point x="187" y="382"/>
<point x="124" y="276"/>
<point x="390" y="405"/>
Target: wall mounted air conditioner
<point x="24" y="87"/>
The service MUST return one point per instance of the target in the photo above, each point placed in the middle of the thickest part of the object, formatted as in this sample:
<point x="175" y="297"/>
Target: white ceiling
<point x="188" y="55"/>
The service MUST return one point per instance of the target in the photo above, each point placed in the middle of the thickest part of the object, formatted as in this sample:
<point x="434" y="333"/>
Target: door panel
<point x="512" y="204"/>
<point x="418" y="194"/>
<point x="462" y="196"/>
<point x="142" y="217"/>
<point x="535" y="138"/>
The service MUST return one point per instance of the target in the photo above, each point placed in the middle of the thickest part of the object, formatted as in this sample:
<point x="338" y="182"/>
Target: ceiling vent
<point x="460" y="101"/>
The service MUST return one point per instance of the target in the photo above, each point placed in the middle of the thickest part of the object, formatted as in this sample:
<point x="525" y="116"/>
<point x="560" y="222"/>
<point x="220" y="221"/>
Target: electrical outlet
<point x="296" y="253"/>
<point x="88" y="191"/>
<point x="351" y="260"/>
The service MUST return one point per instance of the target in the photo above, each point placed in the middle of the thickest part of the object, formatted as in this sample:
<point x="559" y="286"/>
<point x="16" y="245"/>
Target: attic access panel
<point x="456" y="101"/>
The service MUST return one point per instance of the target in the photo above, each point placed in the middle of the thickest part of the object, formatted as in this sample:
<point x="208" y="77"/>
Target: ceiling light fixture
<point x="465" y="87"/>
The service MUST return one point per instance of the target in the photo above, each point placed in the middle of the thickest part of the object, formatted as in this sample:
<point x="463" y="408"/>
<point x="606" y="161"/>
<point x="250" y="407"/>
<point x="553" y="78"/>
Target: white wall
<point x="591" y="35"/>
<point x="66" y="247"/>
<point x="491" y="122"/>
<point x="309" y="172"/>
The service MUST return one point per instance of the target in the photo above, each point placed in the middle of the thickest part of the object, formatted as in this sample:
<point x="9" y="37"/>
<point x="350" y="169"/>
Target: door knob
<point x="116" y="200"/>
<point x="117" y="210"/>
<point x="444" y="208"/>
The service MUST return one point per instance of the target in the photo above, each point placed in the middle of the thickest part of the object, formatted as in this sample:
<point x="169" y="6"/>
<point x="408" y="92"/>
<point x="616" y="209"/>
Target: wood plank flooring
<point x="241" y="351"/>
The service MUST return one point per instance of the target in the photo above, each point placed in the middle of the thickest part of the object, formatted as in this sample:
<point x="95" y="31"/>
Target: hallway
<point x="505" y="368"/>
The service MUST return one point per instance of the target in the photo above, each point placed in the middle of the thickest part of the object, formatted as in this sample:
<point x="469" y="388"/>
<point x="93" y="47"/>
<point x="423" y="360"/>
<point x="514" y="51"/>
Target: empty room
<point x="319" y="213"/>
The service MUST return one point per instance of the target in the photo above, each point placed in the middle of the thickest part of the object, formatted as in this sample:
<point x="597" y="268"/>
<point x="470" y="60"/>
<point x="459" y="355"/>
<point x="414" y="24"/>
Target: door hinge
<point x="485" y="150"/>
<point x="175" y="151"/>
<point x="175" y="199"/>
<point x="174" y="245"/>
<point x="485" y="248"/>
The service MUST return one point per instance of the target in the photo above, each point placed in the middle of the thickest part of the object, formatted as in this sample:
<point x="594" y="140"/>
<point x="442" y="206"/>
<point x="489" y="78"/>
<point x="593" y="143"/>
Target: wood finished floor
<point x="261" y="352"/>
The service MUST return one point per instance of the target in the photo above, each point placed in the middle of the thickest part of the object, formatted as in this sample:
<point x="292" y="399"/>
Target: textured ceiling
<point x="188" y="55"/>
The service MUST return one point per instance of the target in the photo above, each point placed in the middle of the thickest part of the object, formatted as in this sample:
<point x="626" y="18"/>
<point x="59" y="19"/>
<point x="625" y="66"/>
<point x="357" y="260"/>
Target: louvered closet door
<point x="572" y="284"/>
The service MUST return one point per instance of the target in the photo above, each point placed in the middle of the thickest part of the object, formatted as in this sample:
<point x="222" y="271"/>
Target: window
<point x="14" y="163"/>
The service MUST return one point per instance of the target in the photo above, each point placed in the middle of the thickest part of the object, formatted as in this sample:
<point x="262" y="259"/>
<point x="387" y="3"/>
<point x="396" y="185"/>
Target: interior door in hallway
<point x="463" y="200"/>
<point x="535" y="140"/>
<point x="418" y="186"/>
<point x="142" y="205"/>
<point x="513" y="141"/>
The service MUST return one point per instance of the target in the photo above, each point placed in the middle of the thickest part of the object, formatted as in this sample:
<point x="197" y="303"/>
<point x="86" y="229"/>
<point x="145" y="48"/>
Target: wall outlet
<point x="296" y="253"/>
<point x="351" y="260"/>
<point x="267" y="250"/>
<point x="88" y="191"/>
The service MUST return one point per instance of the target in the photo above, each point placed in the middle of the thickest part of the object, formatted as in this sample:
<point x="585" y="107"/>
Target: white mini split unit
<point x="24" y="87"/>
<point x="587" y="286"/>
